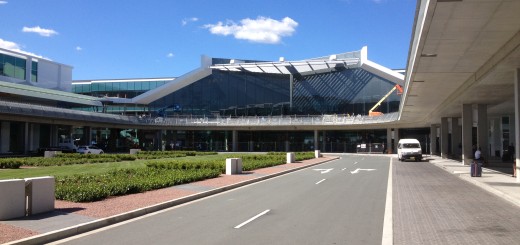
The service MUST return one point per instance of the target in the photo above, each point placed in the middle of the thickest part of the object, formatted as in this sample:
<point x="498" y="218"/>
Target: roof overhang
<point x="462" y="52"/>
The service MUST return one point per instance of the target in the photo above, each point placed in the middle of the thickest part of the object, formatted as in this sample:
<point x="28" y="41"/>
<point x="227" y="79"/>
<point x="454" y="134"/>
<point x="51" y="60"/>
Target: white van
<point x="408" y="149"/>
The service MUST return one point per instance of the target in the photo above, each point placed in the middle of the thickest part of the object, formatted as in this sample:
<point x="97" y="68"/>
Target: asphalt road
<point x="339" y="202"/>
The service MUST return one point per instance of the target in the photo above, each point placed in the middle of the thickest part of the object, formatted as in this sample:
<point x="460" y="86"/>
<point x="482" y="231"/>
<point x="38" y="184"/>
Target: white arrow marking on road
<point x="251" y="219"/>
<point x="324" y="171"/>
<point x="320" y="181"/>
<point x="360" y="169"/>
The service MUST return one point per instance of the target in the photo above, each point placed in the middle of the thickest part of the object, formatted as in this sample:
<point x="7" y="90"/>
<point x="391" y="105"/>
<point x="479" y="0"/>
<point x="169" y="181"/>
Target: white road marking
<point x="355" y="163"/>
<point x="343" y="169"/>
<point x="251" y="219"/>
<point x="360" y="169"/>
<point x="388" y="230"/>
<point x="324" y="171"/>
<point x="320" y="181"/>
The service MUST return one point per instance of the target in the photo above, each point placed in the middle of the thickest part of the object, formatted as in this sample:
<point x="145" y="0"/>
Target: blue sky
<point x="108" y="39"/>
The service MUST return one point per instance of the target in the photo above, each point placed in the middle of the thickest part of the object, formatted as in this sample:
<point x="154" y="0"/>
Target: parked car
<point x="408" y="149"/>
<point x="89" y="150"/>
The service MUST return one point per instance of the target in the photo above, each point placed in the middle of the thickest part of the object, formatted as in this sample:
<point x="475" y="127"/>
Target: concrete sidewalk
<point x="500" y="183"/>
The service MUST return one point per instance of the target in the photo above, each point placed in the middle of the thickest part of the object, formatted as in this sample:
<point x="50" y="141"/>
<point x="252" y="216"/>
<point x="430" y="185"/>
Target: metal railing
<point x="26" y="109"/>
<point x="293" y="120"/>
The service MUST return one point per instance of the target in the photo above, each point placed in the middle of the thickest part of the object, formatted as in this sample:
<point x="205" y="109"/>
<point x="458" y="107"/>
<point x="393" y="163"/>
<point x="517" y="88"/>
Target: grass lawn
<point x="92" y="168"/>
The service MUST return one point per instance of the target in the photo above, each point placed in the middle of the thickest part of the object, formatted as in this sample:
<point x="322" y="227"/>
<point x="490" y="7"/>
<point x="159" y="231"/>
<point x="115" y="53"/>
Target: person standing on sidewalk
<point x="478" y="157"/>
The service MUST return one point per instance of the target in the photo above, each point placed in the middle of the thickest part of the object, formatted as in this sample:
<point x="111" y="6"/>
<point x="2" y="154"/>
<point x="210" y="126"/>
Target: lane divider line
<point x="320" y="181"/>
<point x="388" y="230"/>
<point x="251" y="219"/>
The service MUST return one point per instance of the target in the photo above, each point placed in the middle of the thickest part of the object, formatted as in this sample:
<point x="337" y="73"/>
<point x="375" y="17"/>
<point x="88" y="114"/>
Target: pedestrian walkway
<point x="498" y="181"/>
<point x="436" y="202"/>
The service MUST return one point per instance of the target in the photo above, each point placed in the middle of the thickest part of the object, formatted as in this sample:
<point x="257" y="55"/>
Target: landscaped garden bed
<point x="88" y="178"/>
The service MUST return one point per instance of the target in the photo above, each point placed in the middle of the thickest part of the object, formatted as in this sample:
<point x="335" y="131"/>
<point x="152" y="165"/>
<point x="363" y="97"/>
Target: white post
<point x="290" y="157"/>
<point x="12" y="201"/>
<point x="40" y="193"/>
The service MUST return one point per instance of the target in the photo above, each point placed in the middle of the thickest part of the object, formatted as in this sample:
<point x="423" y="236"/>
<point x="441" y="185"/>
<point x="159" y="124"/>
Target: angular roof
<point x="49" y="94"/>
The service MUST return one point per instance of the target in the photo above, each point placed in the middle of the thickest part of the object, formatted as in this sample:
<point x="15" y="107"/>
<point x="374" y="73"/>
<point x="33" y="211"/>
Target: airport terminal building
<point x="224" y="105"/>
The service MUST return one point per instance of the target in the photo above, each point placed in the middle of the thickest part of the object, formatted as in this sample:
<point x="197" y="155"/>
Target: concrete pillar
<point x="35" y="136"/>
<point x="287" y="145"/>
<point x="467" y="125"/>
<point x="396" y="138"/>
<point x="234" y="141"/>
<point x="87" y="135"/>
<point x="324" y="142"/>
<point x="26" y="140"/>
<point x="444" y="137"/>
<point x="433" y="139"/>
<point x="517" y="122"/>
<point x="5" y="140"/>
<point x="389" y="141"/>
<point x="251" y="146"/>
<point x="53" y="140"/>
<point x="316" y="140"/>
<point x="456" y="137"/>
<point x="28" y="69"/>
<point x="483" y="130"/>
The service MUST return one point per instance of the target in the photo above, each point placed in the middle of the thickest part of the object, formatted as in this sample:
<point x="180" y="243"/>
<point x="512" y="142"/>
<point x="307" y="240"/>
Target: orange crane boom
<point x="371" y="112"/>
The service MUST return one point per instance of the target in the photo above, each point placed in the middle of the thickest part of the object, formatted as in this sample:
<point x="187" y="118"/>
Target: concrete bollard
<point x="291" y="157"/>
<point x="40" y="194"/>
<point x="233" y="166"/>
<point x="134" y="151"/>
<point x="49" y="154"/>
<point x="12" y="201"/>
<point x="317" y="154"/>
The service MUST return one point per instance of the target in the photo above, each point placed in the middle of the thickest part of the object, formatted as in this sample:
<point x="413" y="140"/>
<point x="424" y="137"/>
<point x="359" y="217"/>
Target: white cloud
<point x="41" y="31"/>
<point x="9" y="45"/>
<point x="187" y="20"/>
<point x="15" y="47"/>
<point x="78" y="48"/>
<point x="261" y="30"/>
<point x="170" y="55"/>
<point x="3" y="2"/>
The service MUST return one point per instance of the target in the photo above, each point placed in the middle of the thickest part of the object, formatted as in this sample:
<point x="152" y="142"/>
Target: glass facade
<point x="227" y="93"/>
<point x="11" y="66"/>
<point x="115" y="89"/>
<point x="118" y="89"/>
<point x="352" y="91"/>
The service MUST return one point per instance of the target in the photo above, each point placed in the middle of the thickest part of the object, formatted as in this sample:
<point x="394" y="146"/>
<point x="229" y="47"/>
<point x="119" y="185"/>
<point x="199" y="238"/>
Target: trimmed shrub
<point x="12" y="163"/>
<point x="89" y="188"/>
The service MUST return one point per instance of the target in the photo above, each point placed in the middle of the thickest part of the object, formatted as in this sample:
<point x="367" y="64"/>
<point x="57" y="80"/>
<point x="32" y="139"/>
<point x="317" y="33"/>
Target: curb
<point x="99" y="223"/>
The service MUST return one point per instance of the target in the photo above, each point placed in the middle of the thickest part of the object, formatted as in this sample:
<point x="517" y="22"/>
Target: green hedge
<point x="170" y="154"/>
<point x="300" y="156"/>
<point x="11" y="163"/>
<point x="89" y="188"/>
<point x="249" y="161"/>
<point x="76" y="158"/>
